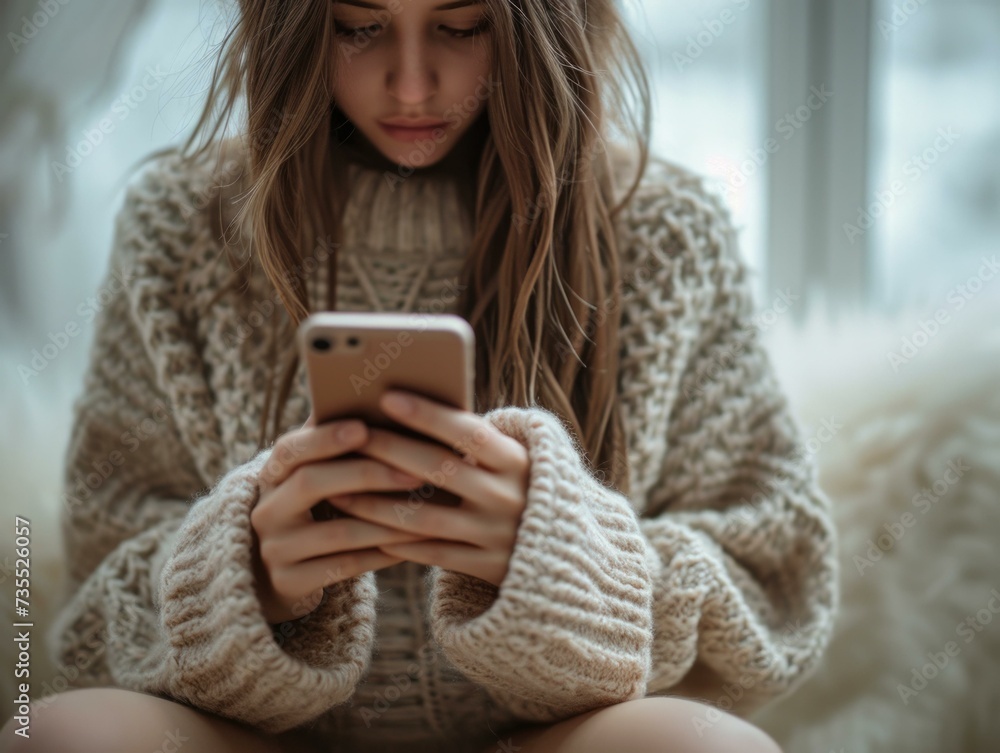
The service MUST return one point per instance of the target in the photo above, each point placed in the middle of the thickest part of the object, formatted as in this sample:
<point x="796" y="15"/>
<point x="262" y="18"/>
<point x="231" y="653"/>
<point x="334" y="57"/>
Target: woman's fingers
<point x="318" y="539"/>
<point x="308" y="579"/>
<point x="472" y="436"/>
<point x="488" y="565"/>
<point x="308" y="444"/>
<point x="297" y="566"/>
<point x="289" y="505"/>
<point x="435" y="465"/>
<point x="427" y="521"/>
<point x="299" y="473"/>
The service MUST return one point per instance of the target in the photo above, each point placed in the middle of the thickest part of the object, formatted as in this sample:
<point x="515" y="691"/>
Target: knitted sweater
<point x="715" y="576"/>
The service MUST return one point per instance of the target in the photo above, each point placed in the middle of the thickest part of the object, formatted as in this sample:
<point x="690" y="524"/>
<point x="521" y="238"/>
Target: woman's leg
<point x="657" y="724"/>
<point x="112" y="720"/>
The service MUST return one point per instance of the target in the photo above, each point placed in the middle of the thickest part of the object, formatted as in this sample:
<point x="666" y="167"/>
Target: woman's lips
<point x="412" y="134"/>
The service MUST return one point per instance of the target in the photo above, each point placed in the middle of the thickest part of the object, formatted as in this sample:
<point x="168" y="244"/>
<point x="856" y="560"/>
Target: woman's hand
<point x="491" y="478"/>
<point x="295" y="556"/>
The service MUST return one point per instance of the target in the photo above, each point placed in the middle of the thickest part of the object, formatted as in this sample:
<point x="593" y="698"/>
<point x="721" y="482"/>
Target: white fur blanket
<point x="914" y="476"/>
<point x="913" y="665"/>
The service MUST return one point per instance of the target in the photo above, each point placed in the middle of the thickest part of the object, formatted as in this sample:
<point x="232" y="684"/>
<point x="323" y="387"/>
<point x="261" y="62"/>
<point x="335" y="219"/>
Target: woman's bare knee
<point x="647" y="725"/>
<point x="109" y="720"/>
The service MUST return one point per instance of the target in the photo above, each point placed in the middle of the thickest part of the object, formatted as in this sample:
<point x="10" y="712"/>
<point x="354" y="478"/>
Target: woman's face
<point x="412" y="60"/>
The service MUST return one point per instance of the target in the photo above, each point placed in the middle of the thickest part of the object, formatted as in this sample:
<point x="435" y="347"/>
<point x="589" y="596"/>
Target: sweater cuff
<point x="227" y="658"/>
<point x="570" y="627"/>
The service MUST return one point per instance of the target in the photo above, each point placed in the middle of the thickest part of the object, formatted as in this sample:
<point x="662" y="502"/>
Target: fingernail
<point x="350" y="432"/>
<point x="397" y="403"/>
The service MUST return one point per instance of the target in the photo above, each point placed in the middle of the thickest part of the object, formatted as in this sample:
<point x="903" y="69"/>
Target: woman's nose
<point x="412" y="78"/>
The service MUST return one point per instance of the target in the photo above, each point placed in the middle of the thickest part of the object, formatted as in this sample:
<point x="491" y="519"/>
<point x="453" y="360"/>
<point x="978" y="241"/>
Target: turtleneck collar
<point x="392" y="209"/>
<point x="422" y="214"/>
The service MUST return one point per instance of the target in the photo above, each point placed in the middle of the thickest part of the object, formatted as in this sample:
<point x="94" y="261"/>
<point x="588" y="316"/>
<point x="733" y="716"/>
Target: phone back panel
<point x="351" y="358"/>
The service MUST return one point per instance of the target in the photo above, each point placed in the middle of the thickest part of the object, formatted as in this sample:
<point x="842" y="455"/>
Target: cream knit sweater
<point x="719" y="567"/>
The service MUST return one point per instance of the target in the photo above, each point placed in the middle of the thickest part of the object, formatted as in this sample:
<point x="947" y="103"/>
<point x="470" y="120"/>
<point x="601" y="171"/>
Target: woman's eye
<point x="348" y="31"/>
<point x="466" y="33"/>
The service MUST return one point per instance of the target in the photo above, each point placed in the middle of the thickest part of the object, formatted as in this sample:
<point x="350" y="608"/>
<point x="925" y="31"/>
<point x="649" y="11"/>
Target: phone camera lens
<point x="321" y="343"/>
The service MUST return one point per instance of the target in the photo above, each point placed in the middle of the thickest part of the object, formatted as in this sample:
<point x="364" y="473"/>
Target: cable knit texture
<point x="720" y="560"/>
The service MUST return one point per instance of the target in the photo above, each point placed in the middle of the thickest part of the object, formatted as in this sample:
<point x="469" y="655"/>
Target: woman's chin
<point x="417" y="155"/>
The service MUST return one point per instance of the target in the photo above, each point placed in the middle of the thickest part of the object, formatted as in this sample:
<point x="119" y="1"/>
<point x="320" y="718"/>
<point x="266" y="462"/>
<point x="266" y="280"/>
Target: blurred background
<point x="857" y="143"/>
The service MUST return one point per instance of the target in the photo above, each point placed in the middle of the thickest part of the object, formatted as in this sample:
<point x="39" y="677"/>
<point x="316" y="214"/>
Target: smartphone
<point x="352" y="357"/>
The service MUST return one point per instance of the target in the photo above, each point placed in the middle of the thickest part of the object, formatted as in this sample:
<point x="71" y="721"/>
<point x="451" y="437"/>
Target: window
<point x="934" y="201"/>
<point x="812" y="112"/>
<point x="705" y="64"/>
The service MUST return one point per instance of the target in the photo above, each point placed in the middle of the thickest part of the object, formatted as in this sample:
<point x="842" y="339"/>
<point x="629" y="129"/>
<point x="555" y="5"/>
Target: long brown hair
<point x="541" y="282"/>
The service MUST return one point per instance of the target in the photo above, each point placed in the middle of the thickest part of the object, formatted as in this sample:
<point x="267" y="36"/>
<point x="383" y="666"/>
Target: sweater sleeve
<point x="723" y="587"/>
<point x="161" y="596"/>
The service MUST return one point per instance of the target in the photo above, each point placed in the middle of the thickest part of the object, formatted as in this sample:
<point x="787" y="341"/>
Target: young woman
<point x="641" y="556"/>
